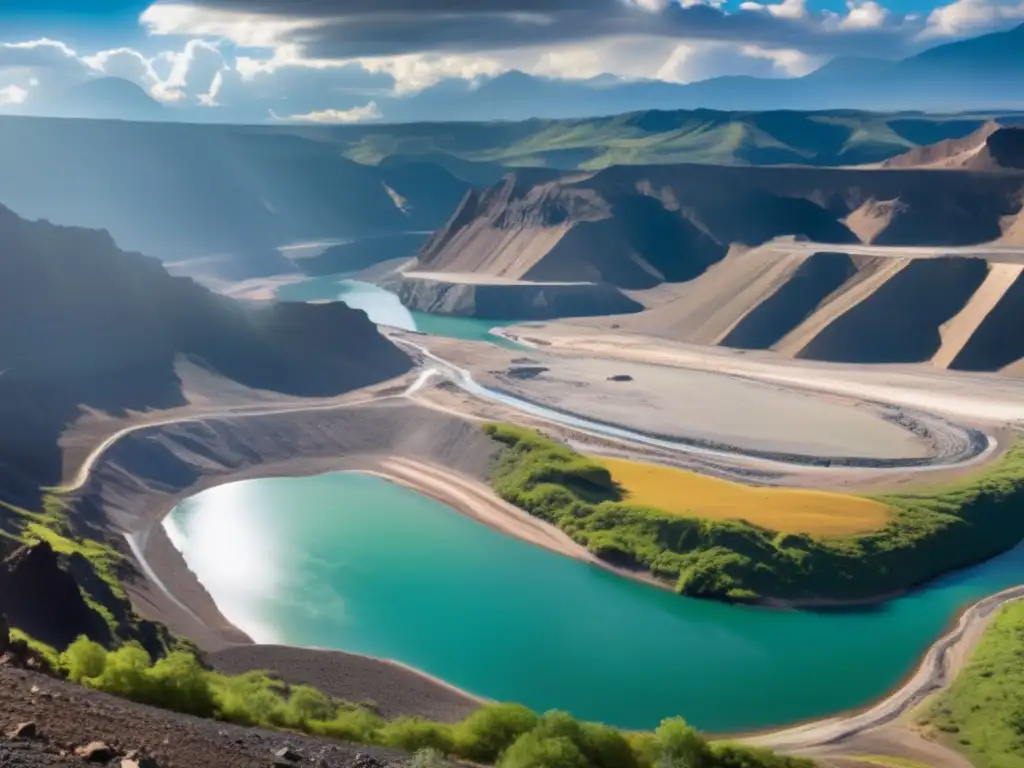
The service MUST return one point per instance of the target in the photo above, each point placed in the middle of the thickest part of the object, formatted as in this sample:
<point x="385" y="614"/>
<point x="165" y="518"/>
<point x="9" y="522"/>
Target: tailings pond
<point x="354" y="563"/>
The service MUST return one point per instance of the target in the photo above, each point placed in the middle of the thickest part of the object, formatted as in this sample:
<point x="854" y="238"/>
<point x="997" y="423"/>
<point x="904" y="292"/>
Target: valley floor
<point x="431" y="442"/>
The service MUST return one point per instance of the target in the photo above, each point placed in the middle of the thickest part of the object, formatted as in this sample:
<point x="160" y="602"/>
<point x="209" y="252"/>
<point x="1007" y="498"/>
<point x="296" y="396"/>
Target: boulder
<point x="96" y="752"/>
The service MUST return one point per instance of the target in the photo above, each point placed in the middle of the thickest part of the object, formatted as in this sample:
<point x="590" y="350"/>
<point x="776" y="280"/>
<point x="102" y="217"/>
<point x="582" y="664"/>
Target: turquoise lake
<point x="384" y="308"/>
<point x="354" y="563"/>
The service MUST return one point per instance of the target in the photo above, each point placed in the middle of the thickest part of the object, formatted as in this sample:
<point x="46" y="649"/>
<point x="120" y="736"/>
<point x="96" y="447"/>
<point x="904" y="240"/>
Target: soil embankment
<point x="917" y="300"/>
<point x="793" y="301"/>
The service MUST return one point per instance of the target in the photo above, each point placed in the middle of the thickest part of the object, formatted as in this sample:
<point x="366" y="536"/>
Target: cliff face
<point x="635" y="227"/>
<point x="518" y="301"/>
<point x="990" y="148"/>
<point x="85" y="324"/>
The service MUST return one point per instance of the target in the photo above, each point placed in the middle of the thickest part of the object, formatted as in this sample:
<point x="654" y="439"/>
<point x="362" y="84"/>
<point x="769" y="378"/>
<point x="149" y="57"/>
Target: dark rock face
<point x="1006" y="147"/>
<point x="43" y="600"/>
<point x="523" y="301"/>
<point x="102" y="328"/>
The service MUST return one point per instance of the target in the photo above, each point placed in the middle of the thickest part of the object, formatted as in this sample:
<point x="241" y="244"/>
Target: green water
<point x="384" y="308"/>
<point x="354" y="563"/>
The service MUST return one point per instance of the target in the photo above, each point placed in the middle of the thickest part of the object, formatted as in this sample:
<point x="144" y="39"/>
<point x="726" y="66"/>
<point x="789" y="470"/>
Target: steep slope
<point x="990" y="148"/>
<point x="637" y="227"/>
<point x="88" y="325"/>
<point x="997" y="343"/>
<point x="900" y="321"/>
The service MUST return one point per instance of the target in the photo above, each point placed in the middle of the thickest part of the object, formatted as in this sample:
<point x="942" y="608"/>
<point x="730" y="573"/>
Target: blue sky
<point x="339" y="60"/>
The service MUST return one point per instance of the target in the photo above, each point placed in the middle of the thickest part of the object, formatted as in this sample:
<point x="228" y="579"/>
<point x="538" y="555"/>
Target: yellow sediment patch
<point x="791" y="510"/>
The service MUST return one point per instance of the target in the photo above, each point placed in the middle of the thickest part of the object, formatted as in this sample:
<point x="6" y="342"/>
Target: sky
<point x="344" y="61"/>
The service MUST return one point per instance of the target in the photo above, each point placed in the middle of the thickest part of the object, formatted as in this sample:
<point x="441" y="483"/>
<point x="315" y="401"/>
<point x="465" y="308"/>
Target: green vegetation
<point x="982" y="713"/>
<point x="508" y="735"/>
<point x="48" y="652"/>
<point x="929" y="533"/>
<point x="470" y="150"/>
<point x="96" y="566"/>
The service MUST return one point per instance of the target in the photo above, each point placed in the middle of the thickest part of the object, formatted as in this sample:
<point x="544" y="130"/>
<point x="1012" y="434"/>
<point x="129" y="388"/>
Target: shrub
<point x="179" y="683"/>
<point x="358" y="724"/>
<point x="488" y="731"/>
<point x="428" y="758"/>
<point x="124" y="673"/>
<point x="306" y="703"/>
<point x="83" y="659"/>
<point x="679" y="746"/>
<point x="414" y="733"/>
<point x="249" y="699"/>
<point x="531" y="750"/>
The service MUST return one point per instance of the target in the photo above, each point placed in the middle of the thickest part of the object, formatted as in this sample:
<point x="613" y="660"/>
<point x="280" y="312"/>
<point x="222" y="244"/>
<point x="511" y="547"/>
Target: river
<point x="384" y="308"/>
<point x="355" y="563"/>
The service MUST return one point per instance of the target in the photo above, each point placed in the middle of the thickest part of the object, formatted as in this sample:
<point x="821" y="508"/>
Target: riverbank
<point x="909" y="687"/>
<point x="937" y="670"/>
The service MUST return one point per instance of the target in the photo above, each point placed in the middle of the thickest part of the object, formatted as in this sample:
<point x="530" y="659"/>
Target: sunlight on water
<point x="355" y="563"/>
<point x="239" y="563"/>
<point x="382" y="307"/>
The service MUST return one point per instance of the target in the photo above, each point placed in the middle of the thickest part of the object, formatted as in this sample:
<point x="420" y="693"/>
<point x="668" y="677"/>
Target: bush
<point x="428" y="758"/>
<point x="532" y="750"/>
<point x="509" y="735"/>
<point x="488" y="731"/>
<point x="679" y="746"/>
<point x="124" y="673"/>
<point x="249" y="699"/>
<point x="179" y="683"/>
<point x="358" y="725"/>
<point x="83" y="659"/>
<point x="414" y="733"/>
<point x="306" y="704"/>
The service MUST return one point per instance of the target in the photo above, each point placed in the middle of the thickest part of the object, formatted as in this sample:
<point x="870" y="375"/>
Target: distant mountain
<point x="481" y="152"/>
<point x="104" y="97"/>
<point x="181" y="191"/>
<point x="983" y="72"/>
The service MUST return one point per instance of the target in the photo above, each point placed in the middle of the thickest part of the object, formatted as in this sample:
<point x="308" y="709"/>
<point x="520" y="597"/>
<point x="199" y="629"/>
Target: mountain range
<point x="985" y="72"/>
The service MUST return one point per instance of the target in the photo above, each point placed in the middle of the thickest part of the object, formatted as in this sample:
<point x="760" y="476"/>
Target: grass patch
<point x="48" y="652"/>
<point x="506" y="735"/>
<point x="691" y="494"/>
<point x="982" y="713"/>
<point x="928" y="533"/>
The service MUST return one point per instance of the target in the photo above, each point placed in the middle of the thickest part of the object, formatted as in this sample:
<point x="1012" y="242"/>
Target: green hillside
<point x="482" y="150"/>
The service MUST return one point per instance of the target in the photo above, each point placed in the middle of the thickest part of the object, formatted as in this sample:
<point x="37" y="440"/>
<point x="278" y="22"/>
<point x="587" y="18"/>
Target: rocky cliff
<point x="84" y="324"/>
<point x="635" y="227"/>
<point x="990" y="148"/>
<point x="509" y="301"/>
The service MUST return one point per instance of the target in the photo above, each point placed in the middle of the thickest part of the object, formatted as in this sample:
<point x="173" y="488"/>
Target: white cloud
<point x="45" y="53"/>
<point x="247" y="30"/>
<point x="414" y="72"/>
<point x="209" y="99"/>
<point x="864" y="14"/>
<point x="789" y="61"/>
<point x="364" y="114"/>
<point x="12" y="94"/>
<point x="575" y="63"/>
<point x="171" y="76"/>
<point x="787" y="9"/>
<point x="964" y="17"/>
<point x="674" y="70"/>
